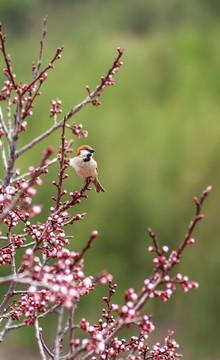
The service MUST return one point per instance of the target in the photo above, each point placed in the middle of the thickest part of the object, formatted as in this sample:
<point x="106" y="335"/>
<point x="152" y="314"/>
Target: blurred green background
<point x="156" y="138"/>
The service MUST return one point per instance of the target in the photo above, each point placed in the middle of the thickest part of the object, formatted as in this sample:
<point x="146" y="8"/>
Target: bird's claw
<point x="86" y="183"/>
<point x="88" y="179"/>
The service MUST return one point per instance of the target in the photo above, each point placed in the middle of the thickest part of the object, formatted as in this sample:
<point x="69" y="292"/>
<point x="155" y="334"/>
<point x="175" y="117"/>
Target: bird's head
<point x="85" y="151"/>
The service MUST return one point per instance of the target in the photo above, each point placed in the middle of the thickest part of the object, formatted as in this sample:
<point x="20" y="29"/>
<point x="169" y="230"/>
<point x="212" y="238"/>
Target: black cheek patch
<point x="88" y="158"/>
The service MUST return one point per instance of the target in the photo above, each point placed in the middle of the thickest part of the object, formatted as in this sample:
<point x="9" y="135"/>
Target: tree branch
<point x="38" y="337"/>
<point x="73" y="111"/>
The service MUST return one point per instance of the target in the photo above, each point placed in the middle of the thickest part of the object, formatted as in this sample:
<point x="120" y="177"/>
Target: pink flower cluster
<point x="5" y="196"/>
<point x="6" y="90"/>
<point x="77" y="130"/>
<point x="30" y="304"/>
<point x="64" y="280"/>
<point x="103" y="342"/>
<point x="166" y="351"/>
<point x="6" y="254"/>
<point x="55" y="107"/>
<point x="24" y="192"/>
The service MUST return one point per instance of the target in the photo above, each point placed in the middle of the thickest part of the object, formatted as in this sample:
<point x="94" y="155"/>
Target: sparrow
<point x="86" y="166"/>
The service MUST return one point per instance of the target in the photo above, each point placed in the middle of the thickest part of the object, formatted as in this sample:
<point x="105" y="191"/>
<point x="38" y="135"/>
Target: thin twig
<point x="36" y="70"/>
<point x="6" y="328"/>
<point x="20" y="292"/>
<point x="39" y="341"/>
<point x="71" y="324"/>
<point x="30" y="173"/>
<point x="49" y="311"/>
<point x="61" y="160"/>
<point x="7" y="279"/>
<point x="13" y="265"/>
<point x="58" y="334"/>
<point x="144" y="296"/>
<point x="88" y="245"/>
<point x="6" y="58"/>
<point x="198" y="216"/>
<point x="46" y="348"/>
<point x="9" y="327"/>
<point x="26" y="245"/>
<point x="72" y="220"/>
<point x="154" y="238"/>
<point x="3" y="154"/>
<point x="4" y="126"/>
<point x="59" y="50"/>
<point x="13" y="143"/>
<point x="9" y="116"/>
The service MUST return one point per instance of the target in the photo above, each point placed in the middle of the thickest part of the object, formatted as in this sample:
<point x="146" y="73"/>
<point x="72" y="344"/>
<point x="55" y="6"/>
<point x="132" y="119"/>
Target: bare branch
<point x="39" y="341"/>
<point x="92" y="237"/>
<point x="59" y="332"/>
<point x="36" y="70"/>
<point x="9" y="327"/>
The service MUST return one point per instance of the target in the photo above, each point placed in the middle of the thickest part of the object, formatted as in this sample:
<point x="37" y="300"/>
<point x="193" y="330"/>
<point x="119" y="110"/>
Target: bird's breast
<point x="85" y="168"/>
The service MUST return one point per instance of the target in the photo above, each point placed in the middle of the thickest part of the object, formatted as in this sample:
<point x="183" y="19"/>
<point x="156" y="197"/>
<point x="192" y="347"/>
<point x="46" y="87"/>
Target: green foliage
<point x="156" y="134"/>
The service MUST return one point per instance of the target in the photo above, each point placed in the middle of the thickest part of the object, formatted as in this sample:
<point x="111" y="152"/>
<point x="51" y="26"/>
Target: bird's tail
<point x="98" y="186"/>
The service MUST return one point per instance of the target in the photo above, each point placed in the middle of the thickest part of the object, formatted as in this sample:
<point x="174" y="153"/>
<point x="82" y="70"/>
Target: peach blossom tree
<point x="50" y="278"/>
